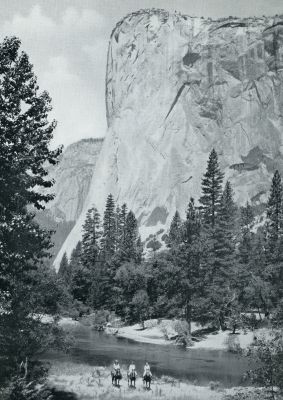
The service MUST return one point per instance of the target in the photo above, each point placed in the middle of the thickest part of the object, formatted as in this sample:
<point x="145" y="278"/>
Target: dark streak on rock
<point x="177" y="97"/>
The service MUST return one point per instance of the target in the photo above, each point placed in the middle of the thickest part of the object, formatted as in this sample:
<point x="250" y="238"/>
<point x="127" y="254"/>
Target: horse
<point x="116" y="377"/>
<point x="132" y="378"/>
<point x="147" y="380"/>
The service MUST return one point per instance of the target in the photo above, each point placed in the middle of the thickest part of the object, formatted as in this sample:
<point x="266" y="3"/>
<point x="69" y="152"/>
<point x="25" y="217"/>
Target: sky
<point x="67" y="41"/>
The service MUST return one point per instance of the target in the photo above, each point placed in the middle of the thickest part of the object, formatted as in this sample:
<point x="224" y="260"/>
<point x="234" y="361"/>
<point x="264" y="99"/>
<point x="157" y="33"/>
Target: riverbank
<point x="93" y="383"/>
<point x="164" y="332"/>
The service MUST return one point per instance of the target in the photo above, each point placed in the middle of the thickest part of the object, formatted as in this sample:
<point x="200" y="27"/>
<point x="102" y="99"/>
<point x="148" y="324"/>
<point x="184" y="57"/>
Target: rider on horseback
<point x="132" y="368"/>
<point x="116" y="366"/>
<point x="146" y="370"/>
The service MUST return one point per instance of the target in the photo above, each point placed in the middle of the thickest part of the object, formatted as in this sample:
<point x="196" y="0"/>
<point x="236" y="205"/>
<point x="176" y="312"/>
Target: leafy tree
<point x="129" y="279"/>
<point x="139" y="307"/>
<point x="267" y="356"/>
<point x="25" y="135"/>
<point x="154" y="245"/>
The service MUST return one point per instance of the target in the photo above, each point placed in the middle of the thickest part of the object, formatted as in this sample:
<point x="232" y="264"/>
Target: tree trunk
<point x="189" y="315"/>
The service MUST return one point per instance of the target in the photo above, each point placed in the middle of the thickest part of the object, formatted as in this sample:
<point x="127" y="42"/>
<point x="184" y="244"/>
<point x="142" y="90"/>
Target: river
<point x="200" y="365"/>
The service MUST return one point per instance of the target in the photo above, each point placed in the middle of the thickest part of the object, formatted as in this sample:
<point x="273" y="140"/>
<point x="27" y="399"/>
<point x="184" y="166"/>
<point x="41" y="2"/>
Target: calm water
<point x="95" y="348"/>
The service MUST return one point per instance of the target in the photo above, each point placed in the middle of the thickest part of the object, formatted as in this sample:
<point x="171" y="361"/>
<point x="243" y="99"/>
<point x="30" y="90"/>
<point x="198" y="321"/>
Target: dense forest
<point x="222" y="265"/>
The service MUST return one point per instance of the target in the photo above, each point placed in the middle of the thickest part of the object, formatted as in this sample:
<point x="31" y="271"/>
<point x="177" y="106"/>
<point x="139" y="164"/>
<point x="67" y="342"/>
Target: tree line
<point x="219" y="263"/>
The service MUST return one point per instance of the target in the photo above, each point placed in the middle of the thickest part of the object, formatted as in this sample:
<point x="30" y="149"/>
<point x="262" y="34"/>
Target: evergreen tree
<point x="175" y="237"/>
<point x="91" y="238"/>
<point x="117" y="228"/>
<point x="211" y="190"/>
<point x="25" y="135"/>
<point x="188" y="258"/>
<point x="76" y="257"/>
<point x="139" y="250"/>
<point x="274" y="226"/>
<point x="129" y="250"/>
<point x="223" y="289"/>
<point x="80" y="276"/>
<point x="109" y="229"/>
<point x="246" y="245"/>
<point x="274" y="239"/>
<point x="64" y="272"/>
<point x="121" y="215"/>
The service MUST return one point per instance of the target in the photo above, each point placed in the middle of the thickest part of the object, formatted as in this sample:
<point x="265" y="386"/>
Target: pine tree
<point x="129" y="249"/>
<point x="109" y="229"/>
<point x="121" y="231"/>
<point x="139" y="250"/>
<point x="175" y="236"/>
<point x="211" y="190"/>
<point x="117" y="227"/>
<point x="274" y="239"/>
<point x="80" y="275"/>
<point x="274" y="226"/>
<point x="188" y="259"/>
<point x="224" y="271"/>
<point x="64" y="269"/>
<point x="25" y="135"/>
<point x="246" y="237"/>
<point x="91" y="238"/>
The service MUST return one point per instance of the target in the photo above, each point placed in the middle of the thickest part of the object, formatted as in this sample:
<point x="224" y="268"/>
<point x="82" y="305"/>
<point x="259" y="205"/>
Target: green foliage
<point x="139" y="307"/>
<point x="274" y="224"/>
<point x="267" y="354"/>
<point x="129" y="279"/>
<point x="26" y="286"/>
<point x="174" y="235"/>
<point x="211" y="190"/>
<point x="64" y="269"/>
<point x="92" y="233"/>
<point x="108" y="241"/>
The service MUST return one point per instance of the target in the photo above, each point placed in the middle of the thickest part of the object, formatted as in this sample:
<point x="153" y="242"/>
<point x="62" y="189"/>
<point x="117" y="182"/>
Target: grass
<point x="94" y="383"/>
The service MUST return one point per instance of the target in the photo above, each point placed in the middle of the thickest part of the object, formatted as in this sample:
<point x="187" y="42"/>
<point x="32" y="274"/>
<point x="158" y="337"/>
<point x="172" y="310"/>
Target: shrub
<point x="233" y="344"/>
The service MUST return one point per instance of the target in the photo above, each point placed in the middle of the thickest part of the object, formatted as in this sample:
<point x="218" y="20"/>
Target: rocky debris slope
<point x="176" y="86"/>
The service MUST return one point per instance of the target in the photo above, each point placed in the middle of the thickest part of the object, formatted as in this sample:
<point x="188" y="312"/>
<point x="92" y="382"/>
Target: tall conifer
<point x="274" y="226"/>
<point x="211" y="190"/>
<point x="109" y="229"/>
<point x="175" y="236"/>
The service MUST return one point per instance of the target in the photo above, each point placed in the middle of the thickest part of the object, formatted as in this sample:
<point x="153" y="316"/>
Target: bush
<point x="267" y="355"/>
<point x="233" y="344"/>
<point x="182" y="328"/>
<point x="214" y="385"/>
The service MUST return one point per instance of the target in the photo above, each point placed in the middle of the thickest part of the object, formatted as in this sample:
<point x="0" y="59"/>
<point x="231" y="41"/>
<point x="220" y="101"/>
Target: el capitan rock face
<point x="176" y="87"/>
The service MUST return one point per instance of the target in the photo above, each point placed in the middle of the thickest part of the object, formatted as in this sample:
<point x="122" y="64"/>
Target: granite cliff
<point x="177" y="86"/>
<point x="72" y="176"/>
